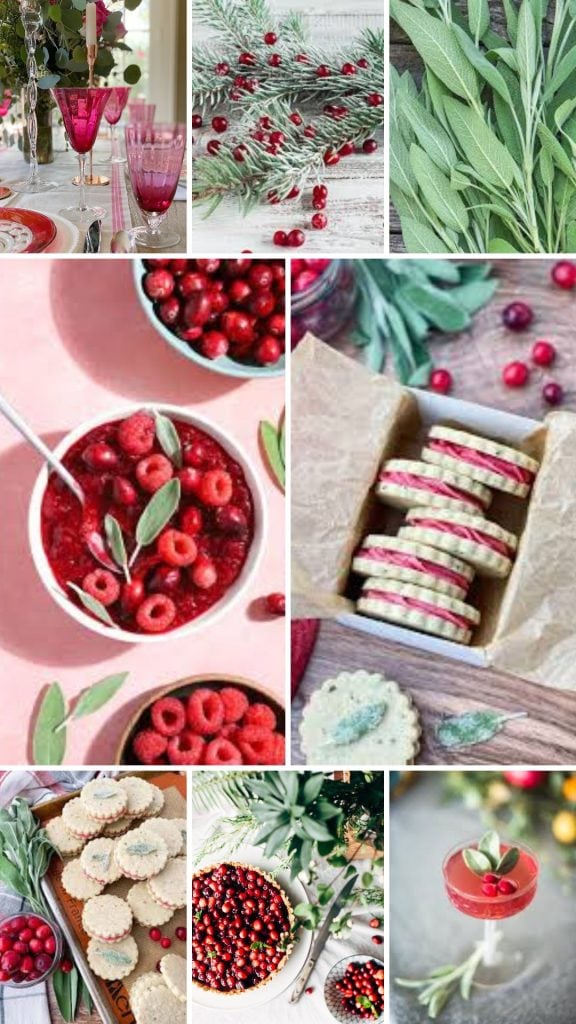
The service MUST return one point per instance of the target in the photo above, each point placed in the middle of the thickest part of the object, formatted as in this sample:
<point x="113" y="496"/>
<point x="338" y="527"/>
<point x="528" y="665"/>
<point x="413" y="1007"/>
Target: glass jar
<point x="327" y="306"/>
<point x="11" y="927"/>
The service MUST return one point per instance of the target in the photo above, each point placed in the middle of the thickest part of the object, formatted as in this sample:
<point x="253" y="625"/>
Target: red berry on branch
<point x="319" y="203"/>
<point x="219" y="124"/>
<point x="517" y="316"/>
<point x="276" y="604"/>
<point x="319" y="221"/>
<point x="295" y="118"/>
<point x="275" y="60"/>
<point x="270" y="38"/>
<point x="238" y="153"/>
<point x="553" y="393"/>
<point x="440" y="381"/>
<point x="302" y="58"/>
<point x="235" y="94"/>
<point x="369" y="146"/>
<point x="280" y="238"/>
<point x="196" y="120"/>
<point x="375" y="99"/>
<point x="213" y="146"/>
<point x="222" y="69"/>
<point x="362" y="63"/>
<point x="296" y="238"/>
<point x="320" y="191"/>
<point x="323" y="71"/>
<point x="348" y="69"/>
<point x="240" y="81"/>
<point x="564" y="274"/>
<point x="309" y="131"/>
<point x="347" y="149"/>
<point x="247" y="59"/>
<point x="543" y="353"/>
<point x="515" y="374"/>
<point x="331" y="158"/>
<point x="294" y="191"/>
<point x="277" y="138"/>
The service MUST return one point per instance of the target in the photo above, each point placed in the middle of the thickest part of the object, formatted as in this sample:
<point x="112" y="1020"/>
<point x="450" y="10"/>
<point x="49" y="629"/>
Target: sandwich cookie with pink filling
<point x="485" y="461"/>
<point x="404" y="483"/>
<point x="487" y="546"/>
<point x="396" y="559"/>
<point x="418" y="608"/>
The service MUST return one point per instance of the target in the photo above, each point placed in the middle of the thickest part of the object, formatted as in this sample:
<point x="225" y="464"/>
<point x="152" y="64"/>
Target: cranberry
<point x="268" y="351"/>
<point x="489" y="889"/>
<point x="50" y="945"/>
<point x="363" y="63"/>
<point x="280" y="238"/>
<point x="214" y="345"/>
<point x="309" y="991"/>
<point x="296" y="238"/>
<point x="440" y="381"/>
<point x="181" y="934"/>
<point x="295" y="118"/>
<point x="100" y="456"/>
<point x="543" y="353"/>
<point x="375" y="922"/>
<point x="515" y="374"/>
<point x="275" y="60"/>
<point x="270" y="38"/>
<point x="319" y="221"/>
<point x="124" y="493"/>
<point x="27" y="965"/>
<point x="347" y="149"/>
<point x="35" y="945"/>
<point x="191" y="282"/>
<point x="222" y="69"/>
<point x="165" y="580"/>
<point x="213" y="146"/>
<point x="564" y="274"/>
<point x="490" y="877"/>
<point x="155" y="934"/>
<point x="323" y="71"/>
<point x="248" y="59"/>
<point x="331" y="158"/>
<point x="369" y="146"/>
<point x="375" y="99"/>
<point x="506" y="886"/>
<point x="169" y="311"/>
<point x="197" y="310"/>
<point x="11" y="961"/>
<point x="66" y="965"/>
<point x="231" y="520"/>
<point x="159" y="284"/>
<point x="553" y="393"/>
<point x="348" y="69"/>
<point x="517" y="316"/>
<point x="196" y="120"/>
<point x="133" y="593"/>
<point x="276" y="604"/>
<point x="377" y="940"/>
<point x="219" y="124"/>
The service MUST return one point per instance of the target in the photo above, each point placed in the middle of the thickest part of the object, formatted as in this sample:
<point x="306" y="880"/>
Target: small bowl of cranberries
<point x="226" y="315"/>
<point x="354" y="989"/>
<point x="30" y="949"/>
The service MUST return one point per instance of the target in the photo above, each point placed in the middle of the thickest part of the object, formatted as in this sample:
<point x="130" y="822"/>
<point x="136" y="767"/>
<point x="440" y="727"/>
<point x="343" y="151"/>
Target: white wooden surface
<point x="355" y="208"/>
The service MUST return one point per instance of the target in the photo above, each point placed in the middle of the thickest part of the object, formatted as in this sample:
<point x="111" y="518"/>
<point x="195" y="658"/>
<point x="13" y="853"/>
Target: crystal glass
<point x="155" y="155"/>
<point x="82" y="111"/>
<point x="141" y="113"/>
<point x="31" y="15"/>
<point x="113" y="112"/>
<point x="466" y="891"/>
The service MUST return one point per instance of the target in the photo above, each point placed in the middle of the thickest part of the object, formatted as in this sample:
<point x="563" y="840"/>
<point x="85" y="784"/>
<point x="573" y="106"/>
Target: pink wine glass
<point x="155" y="156"/>
<point x="82" y="111"/>
<point x="113" y="112"/>
<point x="141" y="113"/>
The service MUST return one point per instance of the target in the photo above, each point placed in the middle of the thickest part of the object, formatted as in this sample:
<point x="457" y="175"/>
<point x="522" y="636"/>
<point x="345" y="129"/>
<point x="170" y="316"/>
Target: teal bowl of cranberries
<point x="226" y="315"/>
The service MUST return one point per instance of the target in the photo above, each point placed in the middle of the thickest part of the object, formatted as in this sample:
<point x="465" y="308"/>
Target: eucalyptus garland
<point x="483" y="152"/>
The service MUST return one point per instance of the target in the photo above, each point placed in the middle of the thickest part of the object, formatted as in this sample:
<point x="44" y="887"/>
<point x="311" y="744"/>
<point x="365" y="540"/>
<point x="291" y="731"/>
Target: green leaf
<point x="93" y="605"/>
<point x="438" y="48"/>
<point x="430" y="134"/>
<point x="168" y="439"/>
<point x="420" y="238"/>
<point x="554" y="148"/>
<point x="526" y="44"/>
<point x="473" y="726"/>
<point x="271" y="445"/>
<point x="354" y="726"/>
<point x="48" y="81"/>
<point x="511" y="19"/>
<point x="483" y="66"/>
<point x="313" y="787"/>
<point x="474" y="295"/>
<point x="48" y="744"/>
<point x="476" y="861"/>
<point x="483" y="150"/>
<point x="478" y="18"/>
<point x="435" y="187"/>
<point x="496" y="245"/>
<point x="490" y="845"/>
<point x="437" y="306"/>
<point x="508" y="861"/>
<point x="97" y="695"/>
<point x="316" y="829"/>
<point x="158" y="513"/>
<point x="401" y="173"/>
<point x="115" y="540"/>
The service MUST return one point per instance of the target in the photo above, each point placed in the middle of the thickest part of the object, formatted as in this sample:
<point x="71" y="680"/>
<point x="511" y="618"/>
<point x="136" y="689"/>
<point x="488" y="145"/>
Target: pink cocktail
<point x="82" y="111"/>
<point x="155" y="156"/>
<point x="112" y="113"/>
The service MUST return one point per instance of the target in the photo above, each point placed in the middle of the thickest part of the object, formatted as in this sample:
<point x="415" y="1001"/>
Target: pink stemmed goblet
<point x="82" y="111"/>
<point x="113" y="112"/>
<point x="140" y="112"/>
<point x="155" y="155"/>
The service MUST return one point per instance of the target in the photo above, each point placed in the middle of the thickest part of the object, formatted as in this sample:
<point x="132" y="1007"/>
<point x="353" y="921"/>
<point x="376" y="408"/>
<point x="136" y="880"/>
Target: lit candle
<point x="91" y="39"/>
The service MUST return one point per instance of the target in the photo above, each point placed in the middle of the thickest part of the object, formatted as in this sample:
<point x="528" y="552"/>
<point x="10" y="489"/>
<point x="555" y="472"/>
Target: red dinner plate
<point x="25" y="230"/>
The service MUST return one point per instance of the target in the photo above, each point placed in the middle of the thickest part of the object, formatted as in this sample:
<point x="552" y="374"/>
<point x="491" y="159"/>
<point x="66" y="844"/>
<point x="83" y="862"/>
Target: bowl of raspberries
<point x="225" y="314"/>
<point x="219" y="721"/>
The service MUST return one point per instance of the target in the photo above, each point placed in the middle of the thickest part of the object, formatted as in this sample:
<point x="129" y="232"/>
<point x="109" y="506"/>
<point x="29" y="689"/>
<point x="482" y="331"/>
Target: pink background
<point x="73" y="343"/>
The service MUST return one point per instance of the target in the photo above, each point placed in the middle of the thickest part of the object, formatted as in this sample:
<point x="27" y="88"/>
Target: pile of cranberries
<point x="242" y="928"/>
<point x="222" y="307"/>
<point x="304" y="273"/>
<point x="362" y="989"/>
<point x="28" y="948"/>
<point x="494" y="885"/>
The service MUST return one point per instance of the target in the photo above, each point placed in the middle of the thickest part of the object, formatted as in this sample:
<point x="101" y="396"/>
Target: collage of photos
<point x="287" y="569"/>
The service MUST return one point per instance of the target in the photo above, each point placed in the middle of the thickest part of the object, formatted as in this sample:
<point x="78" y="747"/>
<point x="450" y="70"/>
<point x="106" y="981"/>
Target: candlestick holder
<point x="91" y="178"/>
<point x="31" y="17"/>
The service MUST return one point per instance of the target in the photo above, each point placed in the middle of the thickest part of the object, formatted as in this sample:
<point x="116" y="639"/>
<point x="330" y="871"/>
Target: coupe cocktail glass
<point x="31" y="16"/>
<point x="112" y="113"/>
<point x="155" y="155"/>
<point x="482" y="896"/>
<point x="82" y="111"/>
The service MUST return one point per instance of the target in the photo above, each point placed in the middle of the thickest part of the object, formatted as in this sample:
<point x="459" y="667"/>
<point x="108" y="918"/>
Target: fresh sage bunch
<point x="483" y="153"/>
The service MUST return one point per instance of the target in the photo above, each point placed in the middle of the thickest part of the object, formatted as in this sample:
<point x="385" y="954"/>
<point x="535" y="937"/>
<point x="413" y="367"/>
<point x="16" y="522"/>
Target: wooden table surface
<point x="356" y="206"/>
<point x="440" y="686"/>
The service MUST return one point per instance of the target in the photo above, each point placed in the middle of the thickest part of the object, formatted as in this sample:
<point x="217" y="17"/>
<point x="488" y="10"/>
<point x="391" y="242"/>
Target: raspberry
<point x="215" y="487"/>
<point x="177" y="548"/>
<point x="256" y="744"/>
<point x="147" y="745"/>
<point x="235" y="703"/>
<point x="103" y="586"/>
<point x="262" y="715"/>
<point x="279" y="750"/>
<point x="191" y="521"/>
<point x="136" y="434"/>
<point x="168" y="716"/>
<point x="186" y="748"/>
<point x="152" y="473"/>
<point x="221" y="751"/>
<point x="230" y="732"/>
<point x="205" y="712"/>
<point x="156" y="614"/>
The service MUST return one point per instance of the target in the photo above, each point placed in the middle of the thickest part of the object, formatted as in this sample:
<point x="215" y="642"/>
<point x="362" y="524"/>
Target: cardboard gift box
<point x="345" y="421"/>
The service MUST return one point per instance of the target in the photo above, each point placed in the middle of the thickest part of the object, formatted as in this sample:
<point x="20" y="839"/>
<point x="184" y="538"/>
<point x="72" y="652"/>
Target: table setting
<point x="76" y="193"/>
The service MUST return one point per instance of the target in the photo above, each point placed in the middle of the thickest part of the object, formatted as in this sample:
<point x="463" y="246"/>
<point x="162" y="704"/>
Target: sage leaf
<point x="526" y="44"/>
<point x="158" y="513"/>
<point x="420" y="238"/>
<point x="97" y="695"/>
<point x="271" y="444"/>
<point x="97" y="548"/>
<point x="511" y="14"/>
<point x="563" y="71"/>
<point x="115" y="540"/>
<point x="432" y="137"/>
<point x="490" y="845"/>
<point x="168" y="439"/>
<point x="472" y="727"/>
<point x="508" y="861"/>
<point x="557" y="153"/>
<point x="474" y="295"/>
<point x="358" y="724"/>
<point x="483" y="66"/>
<point x="483" y="149"/>
<point x="476" y="861"/>
<point x="438" y="307"/>
<point x="401" y="173"/>
<point x="496" y="245"/>
<point x="438" y="48"/>
<point x="435" y="187"/>
<point x="49" y="742"/>
<point x="478" y="18"/>
<point x="93" y="605"/>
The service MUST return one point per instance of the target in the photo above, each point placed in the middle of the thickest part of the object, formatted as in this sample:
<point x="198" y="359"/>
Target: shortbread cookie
<point x="114" y="829"/>
<point x="157" y="1006"/>
<point x="397" y="559"/>
<point x="99" y="863"/>
<point x="107" y="918"/>
<point x="147" y="911"/>
<point x="173" y="970"/>
<point x="140" y="796"/>
<point x="151" y="979"/>
<point x="76" y="882"/>
<point x="182" y="825"/>
<point x="487" y="546"/>
<point x="78" y="822"/>
<point x="113" y="962"/>
<point x="104" y="799"/>
<point x="157" y="802"/>
<point x="360" y="718"/>
<point x="141" y="854"/>
<point x="488" y="462"/>
<point x="169" y="831"/>
<point x="169" y="887"/>
<point x="66" y="844"/>
<point x="404" y="483"/>
<point x="419" y="608"/>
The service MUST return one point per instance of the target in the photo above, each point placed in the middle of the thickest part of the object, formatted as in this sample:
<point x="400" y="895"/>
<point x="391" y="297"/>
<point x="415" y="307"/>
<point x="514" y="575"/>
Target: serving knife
<point x="93" y="237"/>
<point x="321" y="939"/>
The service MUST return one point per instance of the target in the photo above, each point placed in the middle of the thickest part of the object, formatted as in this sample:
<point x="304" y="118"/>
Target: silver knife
<point x="93" y="237"/>
<point x="321" y="938"/>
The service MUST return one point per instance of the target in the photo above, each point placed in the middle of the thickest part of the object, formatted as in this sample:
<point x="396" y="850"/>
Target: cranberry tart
<point x="243" y="928"/>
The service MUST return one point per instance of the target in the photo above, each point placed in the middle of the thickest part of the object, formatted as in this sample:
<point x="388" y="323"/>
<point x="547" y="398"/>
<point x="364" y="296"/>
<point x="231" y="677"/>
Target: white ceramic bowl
<point x="234" y="592"/>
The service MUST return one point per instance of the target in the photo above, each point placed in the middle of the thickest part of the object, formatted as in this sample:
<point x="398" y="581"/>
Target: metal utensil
<point x="93" y="237"/>
<point x="321" y="939"/>
<point x="22" y="427"/>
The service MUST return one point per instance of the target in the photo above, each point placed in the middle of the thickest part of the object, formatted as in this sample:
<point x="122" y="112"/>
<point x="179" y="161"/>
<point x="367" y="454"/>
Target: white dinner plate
<point x="296" y="892"/>
<point x="67" y="235"/>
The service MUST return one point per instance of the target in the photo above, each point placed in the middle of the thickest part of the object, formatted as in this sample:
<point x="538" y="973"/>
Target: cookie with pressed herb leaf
<point x="98" y="861"/>
<point x="418" y="608"/>
<point x="141" y="854"/>
<point x="112" y="961"/>
<point x="147" y="911"/>
<point x="104" y="799"/>
<point x="397" y="559"/>
<point x="168" y="887"/>
<point x="404" y="483"/>
<point x="60" y="837"/>
<point x="360" y="718"/>
<point x="78" y="822"/>
<point x="107" y="918"/>
<point x="140" y="795"/>
<point x="76" y="882"/>
<point x="168" y="830"/>
<point x="488" y="462"/>
<point x="484" y="544"/>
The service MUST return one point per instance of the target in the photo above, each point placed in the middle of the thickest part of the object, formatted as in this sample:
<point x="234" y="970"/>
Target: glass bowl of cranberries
<point x="226" y="315"/>
<point x="170" y="532"/>
<point x="30" y="949"/>
<point x="354" y="989"/>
